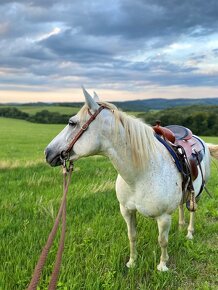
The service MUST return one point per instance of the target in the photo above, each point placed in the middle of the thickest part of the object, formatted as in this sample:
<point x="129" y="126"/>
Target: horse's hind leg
<point x="191" y="226"/>
<point x="130" y="218"/>
<point x="181" y="216"/>
<point x="164" y="223"/>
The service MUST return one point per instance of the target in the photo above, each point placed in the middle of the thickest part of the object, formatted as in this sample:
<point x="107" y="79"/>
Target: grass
<point x="96" y="248"/>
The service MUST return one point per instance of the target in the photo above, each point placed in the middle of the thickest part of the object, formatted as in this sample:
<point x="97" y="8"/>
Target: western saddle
<point x="187" y="151"/>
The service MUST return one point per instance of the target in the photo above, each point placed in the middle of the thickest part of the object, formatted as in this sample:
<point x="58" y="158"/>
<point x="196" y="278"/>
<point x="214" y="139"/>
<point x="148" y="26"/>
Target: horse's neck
<point x="122" y="163"/>
<point x="120" y="156"/>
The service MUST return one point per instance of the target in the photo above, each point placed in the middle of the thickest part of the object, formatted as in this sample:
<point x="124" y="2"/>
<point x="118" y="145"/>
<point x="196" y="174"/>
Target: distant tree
<point x="202" y="120"/>
<point x="12" y="112"/>
<point x="47" y="117"/>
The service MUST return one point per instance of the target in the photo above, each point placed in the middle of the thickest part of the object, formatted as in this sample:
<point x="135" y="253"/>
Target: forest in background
<point x="201" y="119"/>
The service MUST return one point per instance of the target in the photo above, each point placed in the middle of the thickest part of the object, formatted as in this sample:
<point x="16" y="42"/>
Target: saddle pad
<point x="180" y="132"/>
<point x="171" y="151"/>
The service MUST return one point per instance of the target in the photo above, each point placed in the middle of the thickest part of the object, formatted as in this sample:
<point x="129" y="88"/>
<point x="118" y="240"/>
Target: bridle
<point x="65" y="155"/>
<point x="67" y="173"/>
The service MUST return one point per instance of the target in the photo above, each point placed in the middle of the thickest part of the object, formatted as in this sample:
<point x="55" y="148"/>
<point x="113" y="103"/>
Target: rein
<point x="67" y="173"/>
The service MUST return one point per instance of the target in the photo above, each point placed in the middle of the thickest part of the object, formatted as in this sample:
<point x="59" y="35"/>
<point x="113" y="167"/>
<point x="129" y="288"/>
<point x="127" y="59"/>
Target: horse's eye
<point x="71" y="123"/>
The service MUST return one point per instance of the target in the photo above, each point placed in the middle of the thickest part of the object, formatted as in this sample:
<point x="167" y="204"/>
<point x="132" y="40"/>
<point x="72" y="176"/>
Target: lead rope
<point x="42" y="259"/>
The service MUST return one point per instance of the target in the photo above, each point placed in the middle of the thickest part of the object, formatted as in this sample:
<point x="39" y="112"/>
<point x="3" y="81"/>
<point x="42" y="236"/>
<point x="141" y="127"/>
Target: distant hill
<point x="160" y="104"/>
<point x="137" y="105"/>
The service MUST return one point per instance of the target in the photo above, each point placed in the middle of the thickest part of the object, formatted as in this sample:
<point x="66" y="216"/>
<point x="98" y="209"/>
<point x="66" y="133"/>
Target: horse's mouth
<point x="56" y="161"/>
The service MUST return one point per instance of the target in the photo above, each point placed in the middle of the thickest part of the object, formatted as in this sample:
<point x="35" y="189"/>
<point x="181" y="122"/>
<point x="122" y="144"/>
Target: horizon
<point x="123" y="50"/>
<point x="133" y="100"/>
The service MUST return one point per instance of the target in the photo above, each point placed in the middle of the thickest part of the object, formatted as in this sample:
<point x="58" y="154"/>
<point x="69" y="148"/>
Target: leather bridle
<point x="65" y="155"/>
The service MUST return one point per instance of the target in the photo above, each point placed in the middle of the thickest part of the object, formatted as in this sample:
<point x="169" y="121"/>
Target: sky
<point x="122" y="49"/>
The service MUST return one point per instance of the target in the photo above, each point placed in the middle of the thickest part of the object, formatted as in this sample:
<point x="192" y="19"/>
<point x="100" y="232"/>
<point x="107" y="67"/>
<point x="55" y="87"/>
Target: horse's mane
<point x="139" y="135"/>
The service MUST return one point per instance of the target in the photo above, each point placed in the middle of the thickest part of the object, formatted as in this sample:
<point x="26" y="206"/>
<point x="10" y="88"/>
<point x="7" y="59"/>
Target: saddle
<point x="188" y="151"/>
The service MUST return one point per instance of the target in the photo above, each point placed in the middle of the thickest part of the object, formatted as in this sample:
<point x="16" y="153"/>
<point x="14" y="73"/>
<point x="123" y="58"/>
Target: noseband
<point x="65" y="155"/>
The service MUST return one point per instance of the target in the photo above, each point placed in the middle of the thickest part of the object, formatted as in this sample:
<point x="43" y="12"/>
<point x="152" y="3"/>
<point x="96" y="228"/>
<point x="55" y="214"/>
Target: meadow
<point x="96" y="247"/>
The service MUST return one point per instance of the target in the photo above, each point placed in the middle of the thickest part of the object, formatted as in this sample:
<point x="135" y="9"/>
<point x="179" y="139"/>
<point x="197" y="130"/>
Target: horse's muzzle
<point x="53" y="160"/>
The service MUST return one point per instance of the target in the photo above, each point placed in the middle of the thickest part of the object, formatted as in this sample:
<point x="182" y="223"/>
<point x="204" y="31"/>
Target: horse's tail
<point x="213" y="150"/>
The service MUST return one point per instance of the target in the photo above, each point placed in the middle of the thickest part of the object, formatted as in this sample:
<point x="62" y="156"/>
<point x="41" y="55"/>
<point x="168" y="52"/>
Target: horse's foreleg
<point x="130" y="218"/>
<point x="164" y="223"/>
<point x="181" y="216"/>
<point x="191" y="226"/>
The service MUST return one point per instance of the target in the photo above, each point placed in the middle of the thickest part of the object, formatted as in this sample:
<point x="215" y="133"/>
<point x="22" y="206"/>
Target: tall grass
<point x="96" y="248"/>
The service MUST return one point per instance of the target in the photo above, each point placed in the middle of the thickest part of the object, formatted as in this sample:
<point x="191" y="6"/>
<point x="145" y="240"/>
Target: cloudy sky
<point x="122" y="49"/>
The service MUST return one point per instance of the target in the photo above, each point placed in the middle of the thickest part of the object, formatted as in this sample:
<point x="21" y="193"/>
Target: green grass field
<point x="96" y="247"/>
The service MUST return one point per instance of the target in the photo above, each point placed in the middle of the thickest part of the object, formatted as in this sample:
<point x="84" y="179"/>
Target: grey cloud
<point x="215" y="51"/>
<point x="40" y="3"/>
<point x="143" y="19"/>
<point x="126" y="18"/>
<point x="98" y="40"/>
<point x="77" y="47"/>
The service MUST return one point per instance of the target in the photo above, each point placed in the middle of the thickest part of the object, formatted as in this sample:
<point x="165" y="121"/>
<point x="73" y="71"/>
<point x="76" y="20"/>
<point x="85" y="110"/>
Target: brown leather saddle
<point x="183" y="141"/>
<point x="187" y="151"/>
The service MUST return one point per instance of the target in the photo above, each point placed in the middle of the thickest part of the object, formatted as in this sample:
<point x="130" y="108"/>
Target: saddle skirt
<point x="184" y="138"/>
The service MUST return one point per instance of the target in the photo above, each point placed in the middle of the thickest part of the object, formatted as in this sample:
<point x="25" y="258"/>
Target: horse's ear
<point x="91" y="103"/>
<point x="96" y="97"/>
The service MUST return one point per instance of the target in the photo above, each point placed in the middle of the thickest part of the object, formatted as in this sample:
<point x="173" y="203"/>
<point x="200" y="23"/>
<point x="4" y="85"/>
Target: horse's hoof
<point x="162" y="267"/>
<point x="189" y="236"/>
<point x="130" y="264"/>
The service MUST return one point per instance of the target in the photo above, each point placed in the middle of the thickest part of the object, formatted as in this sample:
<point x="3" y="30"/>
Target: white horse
<point x="148" y="180"/>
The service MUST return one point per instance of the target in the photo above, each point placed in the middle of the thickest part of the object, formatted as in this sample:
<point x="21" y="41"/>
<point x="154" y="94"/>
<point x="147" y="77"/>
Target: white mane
<point x="139" y="135"/>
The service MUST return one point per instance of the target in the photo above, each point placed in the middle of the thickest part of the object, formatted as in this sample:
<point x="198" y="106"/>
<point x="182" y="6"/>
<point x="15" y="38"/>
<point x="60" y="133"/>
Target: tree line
<point x="202" y="120"/>
<point x="43" y="116"/>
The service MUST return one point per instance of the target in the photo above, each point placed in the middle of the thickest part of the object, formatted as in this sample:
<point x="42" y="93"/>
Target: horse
<point x="148" y="180"/>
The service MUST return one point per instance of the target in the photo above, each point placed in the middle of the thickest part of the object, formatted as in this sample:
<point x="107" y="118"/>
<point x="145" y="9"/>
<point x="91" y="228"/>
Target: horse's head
<point x="89" y="143"/>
